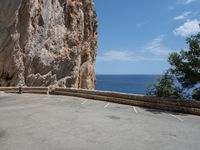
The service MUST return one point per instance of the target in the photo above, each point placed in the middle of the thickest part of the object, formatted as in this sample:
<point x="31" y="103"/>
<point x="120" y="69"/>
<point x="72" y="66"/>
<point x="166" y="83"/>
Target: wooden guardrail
<point x="181" y="106"/>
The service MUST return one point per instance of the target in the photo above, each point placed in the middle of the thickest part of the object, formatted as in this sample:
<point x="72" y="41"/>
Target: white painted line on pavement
<point x="135" y="109"/>
<point x="84" y="102"/>
<point x="2" y="93"/>
<point x="177" y="117"/>
<point x="106" y="105"/>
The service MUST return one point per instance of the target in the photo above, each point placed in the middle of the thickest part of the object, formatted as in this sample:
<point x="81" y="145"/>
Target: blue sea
<point x="134" y="84"/>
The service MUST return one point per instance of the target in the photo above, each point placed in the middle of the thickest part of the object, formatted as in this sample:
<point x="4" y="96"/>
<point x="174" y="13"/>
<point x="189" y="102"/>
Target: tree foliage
<point x="183" y="75"/>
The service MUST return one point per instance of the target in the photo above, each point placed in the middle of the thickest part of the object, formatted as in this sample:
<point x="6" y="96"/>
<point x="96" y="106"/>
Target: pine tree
<point x="183" y="75"/>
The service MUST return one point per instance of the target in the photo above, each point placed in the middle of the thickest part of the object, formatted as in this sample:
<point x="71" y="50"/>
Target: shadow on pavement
<point x="156" y="111"/>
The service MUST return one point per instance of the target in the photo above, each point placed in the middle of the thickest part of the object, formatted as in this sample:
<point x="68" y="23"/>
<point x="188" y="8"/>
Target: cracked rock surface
<point x="48" y="42"/>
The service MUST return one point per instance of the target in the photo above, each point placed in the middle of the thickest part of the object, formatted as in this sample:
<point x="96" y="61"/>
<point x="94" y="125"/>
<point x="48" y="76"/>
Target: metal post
<point x="20" y="89"/>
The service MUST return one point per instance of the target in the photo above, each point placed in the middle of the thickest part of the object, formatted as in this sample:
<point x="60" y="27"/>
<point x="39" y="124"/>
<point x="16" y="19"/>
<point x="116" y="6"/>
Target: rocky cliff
<point x="48" y="42"/>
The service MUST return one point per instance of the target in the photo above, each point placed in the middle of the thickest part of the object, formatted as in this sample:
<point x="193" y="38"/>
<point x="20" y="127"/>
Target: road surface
<point x="43" y="122"/>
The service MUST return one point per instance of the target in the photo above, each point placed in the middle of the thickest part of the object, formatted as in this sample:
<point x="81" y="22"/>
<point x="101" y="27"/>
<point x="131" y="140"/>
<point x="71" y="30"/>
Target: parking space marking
<point x="2" y="93"/>
<point x="177" y="117"/>
<point x="106" y="105"/>
<point x="134" y="108"/>
<point x="84" y="102"/>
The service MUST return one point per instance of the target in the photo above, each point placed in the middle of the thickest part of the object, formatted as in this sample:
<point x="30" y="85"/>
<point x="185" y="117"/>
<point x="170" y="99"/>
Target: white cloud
<point x="186" y="2"/>
<point x="171" y="8"/>
<point x="181" y="2"/>
<point x="115" y="56"/>
<point x="188" y="28"/>
<point x="153" y="51"/>
<point x="183" y="15"/>
<point x="141" y="24"/>
<point x="125" y="56"/>
<point x="156" y="46"/>
<point x="189" y="1"/>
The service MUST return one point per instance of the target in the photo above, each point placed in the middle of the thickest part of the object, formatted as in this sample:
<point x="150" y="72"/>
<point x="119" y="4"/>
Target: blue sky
<point x="136" y="36"/>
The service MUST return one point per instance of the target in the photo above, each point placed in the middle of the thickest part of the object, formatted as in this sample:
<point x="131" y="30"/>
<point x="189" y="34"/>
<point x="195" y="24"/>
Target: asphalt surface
<point x="42" y="122"/>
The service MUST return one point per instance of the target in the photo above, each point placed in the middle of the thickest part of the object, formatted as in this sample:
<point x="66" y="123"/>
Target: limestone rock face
<point x="48" y="42"/>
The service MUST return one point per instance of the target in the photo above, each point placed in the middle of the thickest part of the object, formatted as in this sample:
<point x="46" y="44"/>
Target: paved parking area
<point x="43" y="122"/>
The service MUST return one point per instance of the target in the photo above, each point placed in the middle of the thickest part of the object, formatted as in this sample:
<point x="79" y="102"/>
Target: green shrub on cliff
<point x="182" y="79"/>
